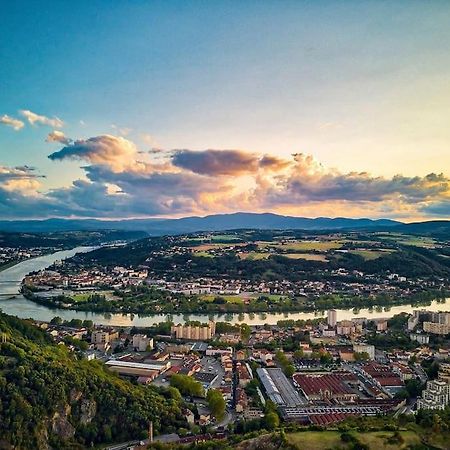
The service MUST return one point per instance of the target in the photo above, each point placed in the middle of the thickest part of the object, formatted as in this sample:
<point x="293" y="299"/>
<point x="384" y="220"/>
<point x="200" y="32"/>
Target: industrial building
<point x="279" y="389"/>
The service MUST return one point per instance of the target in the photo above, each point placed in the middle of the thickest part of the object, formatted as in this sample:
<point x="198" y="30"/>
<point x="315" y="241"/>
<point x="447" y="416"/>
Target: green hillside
<point x="51" y="398"/>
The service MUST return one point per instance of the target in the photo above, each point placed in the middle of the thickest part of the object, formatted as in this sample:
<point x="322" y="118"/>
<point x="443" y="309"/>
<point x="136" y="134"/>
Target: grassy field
<point x="224" y="237"/>
<point x="253" y="256"/>
<point x="370" y="255"/>
<point x="417" y="241"/>
<point x="80" y="298"/>
<point x="320" y="246"/>
<point x="228" y="298"/>
<point x="376" y="440"/>
<point x="307" y="256"/>
<point x="203" y="254"/>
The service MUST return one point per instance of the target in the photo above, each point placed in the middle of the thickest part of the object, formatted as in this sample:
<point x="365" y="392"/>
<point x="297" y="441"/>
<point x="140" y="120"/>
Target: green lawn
<point x="228" y="298"/>
<point x="79" y="298"/>
<point x="376" y="440"/>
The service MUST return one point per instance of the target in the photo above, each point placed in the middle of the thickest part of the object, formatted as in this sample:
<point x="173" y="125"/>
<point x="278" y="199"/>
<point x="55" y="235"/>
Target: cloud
<point x="225" y="162"/>
<point x="115" y="152"/>
<point x="21" y="179"/>
<point x="11" y="122"/>
<point x="34" y="119"/>
<point x="58" y="136"/>
<point x="121" y="181"/>
<point x="309" y="181"/>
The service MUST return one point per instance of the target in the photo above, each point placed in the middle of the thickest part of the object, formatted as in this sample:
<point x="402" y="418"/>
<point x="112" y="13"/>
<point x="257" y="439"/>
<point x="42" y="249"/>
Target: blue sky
<point x="362" y="86"/>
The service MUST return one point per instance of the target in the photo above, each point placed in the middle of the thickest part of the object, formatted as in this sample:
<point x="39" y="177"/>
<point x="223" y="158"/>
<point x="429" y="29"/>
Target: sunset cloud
<point x="58" y="136"/>
<point x="11" y="122"/>
<point x="20" y="179"/>
<point x="38" y="119"/>
<point x="115" y="152"/>
<point x="122" y="181"/>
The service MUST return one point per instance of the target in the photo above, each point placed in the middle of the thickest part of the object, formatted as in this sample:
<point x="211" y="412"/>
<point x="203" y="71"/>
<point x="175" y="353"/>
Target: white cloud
<point x="34" y="119"/>
<point x="58" y="136"/>
<point x="11" y="122"/>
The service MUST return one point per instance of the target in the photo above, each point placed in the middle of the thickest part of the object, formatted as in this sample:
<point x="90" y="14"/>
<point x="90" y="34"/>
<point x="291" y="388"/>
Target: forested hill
<point x="50" y="399"/>
<point x="66" y="239"/>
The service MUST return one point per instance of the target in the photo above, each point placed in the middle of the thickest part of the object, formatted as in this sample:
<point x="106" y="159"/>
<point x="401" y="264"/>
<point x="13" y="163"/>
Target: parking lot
<point x="212" y="365"/>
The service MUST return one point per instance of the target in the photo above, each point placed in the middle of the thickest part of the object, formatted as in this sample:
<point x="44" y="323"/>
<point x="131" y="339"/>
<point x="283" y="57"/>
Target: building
<point x="103" y="336"/>
<point x="199" y="332"/>
<point x="365" y="348"/>
<point x="241" y="400"/>
<point x="142" y="343"/>
<point x="332" y="317"/>
<point x="435" y="396"/>
<point x="138" y="369"/>
<point x="347" y="327"/>
<point x="279" y="389"/>
<point x="444" y="372"/>
<point x="244" y="374"/>
<point x="436" y="328"/>
<point x="338" y="386"/>
<point x="421" y="338"/>
<point x="382" y="325"/>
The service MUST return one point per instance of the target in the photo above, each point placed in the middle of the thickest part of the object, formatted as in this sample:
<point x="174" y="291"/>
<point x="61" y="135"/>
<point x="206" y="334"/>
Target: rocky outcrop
<point x="88" y="409"/>
<point x="60" y="424"/>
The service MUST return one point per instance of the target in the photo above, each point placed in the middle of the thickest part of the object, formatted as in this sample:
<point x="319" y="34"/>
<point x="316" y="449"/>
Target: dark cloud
<point x="225" y="162"/>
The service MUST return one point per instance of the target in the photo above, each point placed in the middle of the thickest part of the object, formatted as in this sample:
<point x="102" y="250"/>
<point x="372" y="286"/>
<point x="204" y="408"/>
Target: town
<point x="318" y="372"/>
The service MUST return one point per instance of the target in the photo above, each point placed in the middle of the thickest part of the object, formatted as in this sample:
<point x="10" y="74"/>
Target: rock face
<point x="60" y="423"/>
<point x="75" y="395"/>
<point x="88" y="410"/>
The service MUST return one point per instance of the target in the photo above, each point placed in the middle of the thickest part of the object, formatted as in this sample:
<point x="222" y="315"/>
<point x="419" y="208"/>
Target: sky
<point x="114" y="109"/>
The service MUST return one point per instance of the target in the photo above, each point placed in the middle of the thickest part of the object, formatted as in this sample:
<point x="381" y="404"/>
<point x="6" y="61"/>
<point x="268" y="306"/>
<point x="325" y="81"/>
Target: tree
<point x="187" y="385"/>
<point x="216" y="403"/>
<point x="271" y="420"/>
<point x="56" y="320"/>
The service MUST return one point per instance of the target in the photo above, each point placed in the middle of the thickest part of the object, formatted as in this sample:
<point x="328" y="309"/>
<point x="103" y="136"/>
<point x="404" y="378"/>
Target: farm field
<point x="320" y="246"/>
<point x="404" y="239"/>
<point x="253" y="256"/>
<point x="307" y="256"/>
<point x="370" y="255"/>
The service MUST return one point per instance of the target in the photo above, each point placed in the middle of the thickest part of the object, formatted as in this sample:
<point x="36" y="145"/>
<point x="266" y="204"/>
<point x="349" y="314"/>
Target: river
<point x="10" y="281"/>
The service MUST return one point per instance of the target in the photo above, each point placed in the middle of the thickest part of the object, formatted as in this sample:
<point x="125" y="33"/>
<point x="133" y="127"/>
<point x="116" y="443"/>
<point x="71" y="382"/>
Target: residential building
<point x="332" y="317"/>
<point x="142" y="343"/>
<point x="435" y="396"/>
<point x="194" y="332"/>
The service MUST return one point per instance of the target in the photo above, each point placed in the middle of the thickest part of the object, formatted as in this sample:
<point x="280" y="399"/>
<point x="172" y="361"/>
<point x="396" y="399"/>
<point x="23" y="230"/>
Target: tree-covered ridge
<point x="51" y="398"/>
<point x="165" y="255"/>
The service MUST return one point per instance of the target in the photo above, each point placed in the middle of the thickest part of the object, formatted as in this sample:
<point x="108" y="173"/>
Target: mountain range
<point x="216" y="222"/>
<point x="219" y="222"/>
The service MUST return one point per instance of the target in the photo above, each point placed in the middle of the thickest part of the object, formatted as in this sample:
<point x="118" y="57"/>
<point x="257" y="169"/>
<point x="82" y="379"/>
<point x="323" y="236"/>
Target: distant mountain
<point x="435" y="228"/>
<point x="216" y="222"/>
